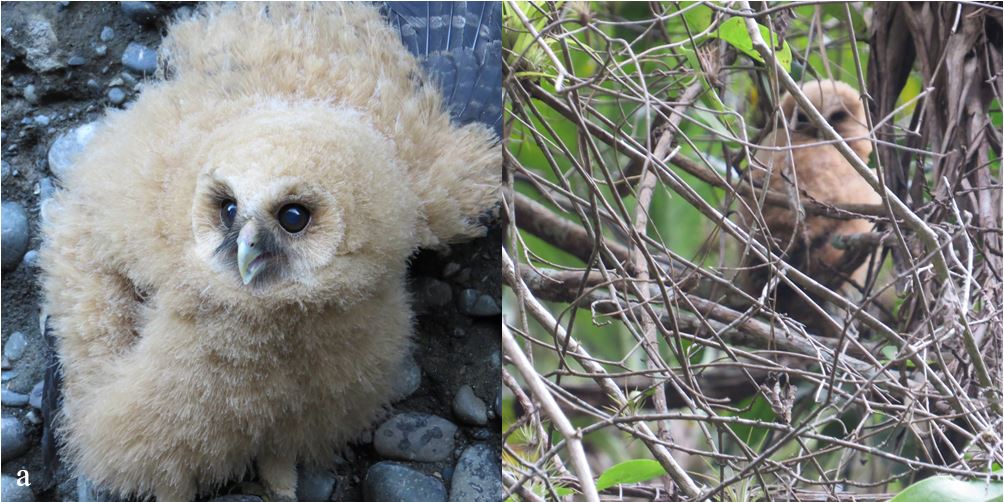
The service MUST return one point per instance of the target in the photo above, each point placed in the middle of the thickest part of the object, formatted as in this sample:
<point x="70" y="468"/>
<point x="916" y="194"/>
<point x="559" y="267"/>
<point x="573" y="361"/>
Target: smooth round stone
<point x="116" y="95"/>
<point x="415" y="436"/>
<point x="13" y="439"/>
<point x="35" y="398"/>
<point x="409" y="378"/>
<point x="389" y="482"/>
<point x="77" y="61"/>
<point x="140" y="12"/>
<point x="477" y="476"/>
<point x="13" y="235"/>
<point x="31" y="259"/>
<point x="13" y="399"/>
<point x="431" y="294"/>
<point x="314" y="485"/>
<point x="15" y="346"/>
<point x="101" y="50"/>
<point x="107" y="34"/>
<point x="67" y="147"/>
<point x="476" y="304"/>
<point x="30" y="94"/>
<point x="13" y="492"/>
<point x="470" y="409"/>
<point x="139" y="58"/>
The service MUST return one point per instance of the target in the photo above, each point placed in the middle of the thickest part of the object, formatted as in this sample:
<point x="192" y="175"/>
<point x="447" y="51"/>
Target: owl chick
<point x="225" y="269"/>
<point x="796" y="158"/>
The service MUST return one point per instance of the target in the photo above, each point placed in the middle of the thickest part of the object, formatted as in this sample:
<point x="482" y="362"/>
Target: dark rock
<point x="314" y="485"/>
<point x="431" y="294"/>
<point x="14" y="492"/>
<point x="35" y="399"/>
<point x="141" y="12"/>
<point x="13" y="235"/>
<point x="477" y="476"/>
<point x="477" y="304"/>
<point x="389" y="482"/>
<point x="470" y="409"/>
<point x="140" y="58"/>
<point x="13" y="399"/>
<point x="409" y="378"/>
<point x="415" y="436"/>
<point x="13" y="439"/>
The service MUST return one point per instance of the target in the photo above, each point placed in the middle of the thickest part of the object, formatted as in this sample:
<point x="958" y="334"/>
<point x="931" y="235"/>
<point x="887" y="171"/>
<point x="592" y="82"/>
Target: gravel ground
<point x="63" y="65"/>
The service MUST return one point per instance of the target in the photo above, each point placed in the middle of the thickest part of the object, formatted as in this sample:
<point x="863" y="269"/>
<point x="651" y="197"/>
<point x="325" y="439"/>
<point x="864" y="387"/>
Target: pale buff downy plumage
<point x="186" y="360"/>
<point x="820" y="173"/>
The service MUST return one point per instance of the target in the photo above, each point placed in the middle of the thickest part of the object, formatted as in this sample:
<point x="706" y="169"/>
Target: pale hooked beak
<point x="249" y="253"/>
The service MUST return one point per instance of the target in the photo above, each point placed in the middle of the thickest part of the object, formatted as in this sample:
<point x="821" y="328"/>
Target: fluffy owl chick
<point x="794" y="158"/>
<point x="225" y="269"/>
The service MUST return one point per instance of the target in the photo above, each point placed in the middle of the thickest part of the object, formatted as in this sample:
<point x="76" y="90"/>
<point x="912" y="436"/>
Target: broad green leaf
<point x="733" y="31"/>
<point x="698" y="16"/>
<point x="946" y="489"/>
<point x="630" y="471"/>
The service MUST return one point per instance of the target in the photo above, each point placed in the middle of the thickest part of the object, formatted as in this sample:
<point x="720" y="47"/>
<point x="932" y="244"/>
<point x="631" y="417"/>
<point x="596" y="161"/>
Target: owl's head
<point x="301" y="204"/>
<point x="839" y="103"/>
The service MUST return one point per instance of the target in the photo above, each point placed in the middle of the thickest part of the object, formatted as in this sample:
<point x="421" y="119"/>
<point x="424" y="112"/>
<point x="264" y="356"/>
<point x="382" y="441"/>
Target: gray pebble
<point x="14" y="492"/>
<point x="415" y="436"/>
<point x="42" y="120"/>
<point x="8" y="375"/>
<point x="408" y="380"/>
<point x="30" y="94"/>
<point x="314" y="485"/>
<point x="15" y="346"/>
<point x="470" y="409"/>
<point x="5" y="363"/>
<point x="107" y="34"/>
<point x="46" y="189"/>
<point x="139" y="58"/>
<point x="476" y="304"/>
<point x="13" y="399"/>
<point x="116" y="95"/>
<point x="140" y="12"/>
<point x="498" y="403"/>
<point x="477" y="476"/>
<point x="67" y="147"/>
<point x="13" y="235"/>
<point x="389" y="482"/>
<point x="6" y="169"/>
<point x="237" y="498"/>
<point x="431" y="294"/>
<point x="77" y="61"/>
<point x="450" y="269"/>
<point x="13" y="439"/>
<point x="33" y="417"/>
<point x="35" y="398"/>
<point x="101" y="50"/>
<point x="31" y="259"/>
<point x="93" y="84"/>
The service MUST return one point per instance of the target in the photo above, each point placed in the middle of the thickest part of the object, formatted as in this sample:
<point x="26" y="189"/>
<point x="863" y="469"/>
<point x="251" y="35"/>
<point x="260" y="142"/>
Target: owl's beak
<point x="249" y="253"/>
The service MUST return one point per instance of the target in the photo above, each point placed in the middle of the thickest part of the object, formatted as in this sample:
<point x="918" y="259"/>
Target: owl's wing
<point x="459" y="44"/>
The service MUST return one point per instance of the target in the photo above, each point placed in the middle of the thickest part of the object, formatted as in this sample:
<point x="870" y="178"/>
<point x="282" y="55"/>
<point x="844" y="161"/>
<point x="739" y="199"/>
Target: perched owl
<point x="225" y="267"/>
<point x="822" y="174"/>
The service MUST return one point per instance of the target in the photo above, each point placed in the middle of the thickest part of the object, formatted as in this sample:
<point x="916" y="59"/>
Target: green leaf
<point x="946" y="489"/>
<point x="698" y="17"/>
<point x="630" y="471"/>
<point x="733" y="31"/>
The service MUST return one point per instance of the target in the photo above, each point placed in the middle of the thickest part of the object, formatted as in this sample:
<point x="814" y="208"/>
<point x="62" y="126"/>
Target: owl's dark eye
<point x="228" y="211"/>
<point x="293" y="217"/>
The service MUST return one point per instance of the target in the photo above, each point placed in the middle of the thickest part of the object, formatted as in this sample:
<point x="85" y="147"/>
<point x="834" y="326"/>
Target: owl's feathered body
<point x="820" y="172"/>
<point x="181" y="369"/>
